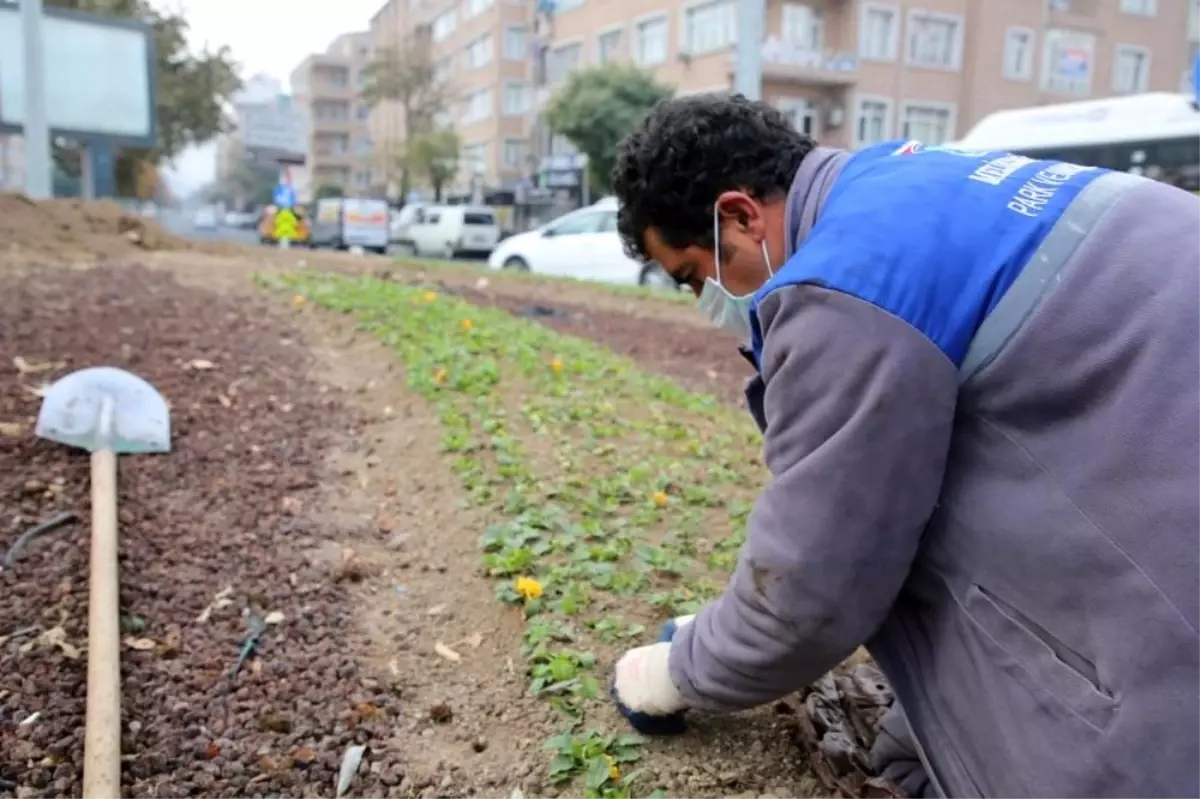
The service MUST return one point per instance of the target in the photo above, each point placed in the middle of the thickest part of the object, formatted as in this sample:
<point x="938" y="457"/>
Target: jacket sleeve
<point x="859" y="408"/>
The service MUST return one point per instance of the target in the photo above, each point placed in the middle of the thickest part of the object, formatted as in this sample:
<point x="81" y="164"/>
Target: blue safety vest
<point x="939" y="237"/>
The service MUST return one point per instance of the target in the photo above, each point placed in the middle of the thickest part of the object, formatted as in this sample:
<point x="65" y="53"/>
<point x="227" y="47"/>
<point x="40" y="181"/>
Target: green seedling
<point x="600" y="478"/>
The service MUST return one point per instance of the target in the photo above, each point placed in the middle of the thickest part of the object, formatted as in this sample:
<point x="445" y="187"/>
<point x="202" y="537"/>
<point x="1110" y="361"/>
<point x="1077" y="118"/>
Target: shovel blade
<point x="73" y="410"/>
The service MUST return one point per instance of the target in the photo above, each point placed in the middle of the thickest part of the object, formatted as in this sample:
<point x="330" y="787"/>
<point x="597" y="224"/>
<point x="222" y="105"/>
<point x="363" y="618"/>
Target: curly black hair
<point x="688" y="150"/>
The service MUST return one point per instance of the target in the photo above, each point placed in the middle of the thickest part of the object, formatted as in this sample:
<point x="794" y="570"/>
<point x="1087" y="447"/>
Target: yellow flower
<point x="467" y="324"/>
<point x="429" y="296"/>
<point x="556" y="366"/>
<point x="298" y="300"/>
<point x="439" y="375"/>
<point x="660" y="499"/>
<point x="528" y="588"/>
<point x="614" y="771"/>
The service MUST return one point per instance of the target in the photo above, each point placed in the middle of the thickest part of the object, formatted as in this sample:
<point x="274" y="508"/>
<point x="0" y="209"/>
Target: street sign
<point x="1196" y="80"/>
<point x="284" y="196"/>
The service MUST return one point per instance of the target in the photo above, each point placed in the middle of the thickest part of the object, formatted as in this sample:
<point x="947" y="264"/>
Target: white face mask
<point x="724" y="309"/>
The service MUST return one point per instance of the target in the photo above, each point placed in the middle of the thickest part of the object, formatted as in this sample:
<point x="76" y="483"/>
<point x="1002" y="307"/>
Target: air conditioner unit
<point x="835" y="117"/>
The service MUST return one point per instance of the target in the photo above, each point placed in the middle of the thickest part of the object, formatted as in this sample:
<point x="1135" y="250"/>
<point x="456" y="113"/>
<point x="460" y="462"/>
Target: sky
<point x="266" y="36"/>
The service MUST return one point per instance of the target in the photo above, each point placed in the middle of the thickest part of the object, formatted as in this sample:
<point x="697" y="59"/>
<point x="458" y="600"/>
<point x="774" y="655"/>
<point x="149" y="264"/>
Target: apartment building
<point x="325" y="86"/>
<point x="854" y="72"/>
<point x="481" y="48"/>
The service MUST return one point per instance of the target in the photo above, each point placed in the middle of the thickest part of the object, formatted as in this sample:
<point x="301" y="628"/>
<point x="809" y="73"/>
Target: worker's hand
<point x="643" y="689"/>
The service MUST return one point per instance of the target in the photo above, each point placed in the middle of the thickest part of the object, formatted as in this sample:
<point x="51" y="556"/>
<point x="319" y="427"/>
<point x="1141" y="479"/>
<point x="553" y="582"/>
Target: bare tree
<point x="405" y="74"/>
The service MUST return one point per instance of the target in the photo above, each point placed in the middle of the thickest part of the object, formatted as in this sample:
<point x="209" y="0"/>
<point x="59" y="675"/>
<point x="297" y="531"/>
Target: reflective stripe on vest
<point x="1041" y="273"/>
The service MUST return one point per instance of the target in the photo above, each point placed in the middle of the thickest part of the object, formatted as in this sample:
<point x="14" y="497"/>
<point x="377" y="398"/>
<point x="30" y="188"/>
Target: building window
<point x="561" y="61"/>
<point x="443" y="26"/>
<point x="479" y="52"/>
<point x="1067" y="64"/>
<point x="934" y="40"/>
<point x="650" y="41"/>
<point x="873" y="123"/>
<point x="477" y="106"/>
<point x="515" y="151"/>
<point x="801" y="113"/>
<point x="362" y="177"/>
<point x="514" y="43"/>
<point x="472" y="158"/>
<point x="518" y="99"/>
<point x="566" y="5"/>
<point x="441" y="70"/>
<point x="1131" y="69"/>
<point x="710" y="26"/>
<point x="879" y="32"/>
<point x="1018" y="54"/>
<point x="802" y="26"/>
<point x="931" y="125"/>
<point x="474" y="8"/>
<point x="608" y="46"/>
<point x="1139" y="8"/>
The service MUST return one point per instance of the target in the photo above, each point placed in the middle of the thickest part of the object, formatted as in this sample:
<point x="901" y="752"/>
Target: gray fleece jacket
<point x="1019" y="552"/>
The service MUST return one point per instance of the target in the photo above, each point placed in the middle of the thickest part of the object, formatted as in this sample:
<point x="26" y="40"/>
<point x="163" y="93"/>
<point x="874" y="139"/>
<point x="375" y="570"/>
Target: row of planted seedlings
<point x="617" y="490"/>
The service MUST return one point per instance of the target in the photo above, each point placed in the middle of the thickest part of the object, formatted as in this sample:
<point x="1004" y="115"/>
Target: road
<point x="180" y="223"/>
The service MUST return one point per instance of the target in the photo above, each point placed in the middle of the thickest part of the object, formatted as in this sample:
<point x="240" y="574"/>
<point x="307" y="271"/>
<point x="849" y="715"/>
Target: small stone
<point x="441" y="713"/>
<point x="479" y="744"/>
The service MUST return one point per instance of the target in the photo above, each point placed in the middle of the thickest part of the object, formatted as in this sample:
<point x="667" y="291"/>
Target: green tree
<point x="192" y="88"/>
<point x="596" y="108"/>
<point x="329" y="191"/>
<point x="405" y="74"/>
<point x="435" y="153"/>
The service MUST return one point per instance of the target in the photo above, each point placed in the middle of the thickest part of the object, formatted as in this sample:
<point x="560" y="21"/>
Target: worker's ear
<point x="740" y="208"/>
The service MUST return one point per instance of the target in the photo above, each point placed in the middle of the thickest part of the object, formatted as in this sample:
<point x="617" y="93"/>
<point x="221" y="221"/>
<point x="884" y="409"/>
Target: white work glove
<point x="642" y="685"/>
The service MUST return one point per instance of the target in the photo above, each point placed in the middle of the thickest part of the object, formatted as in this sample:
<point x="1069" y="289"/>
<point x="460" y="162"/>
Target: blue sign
<point x="1196" y="79"/>
<point x="284" y="196"/>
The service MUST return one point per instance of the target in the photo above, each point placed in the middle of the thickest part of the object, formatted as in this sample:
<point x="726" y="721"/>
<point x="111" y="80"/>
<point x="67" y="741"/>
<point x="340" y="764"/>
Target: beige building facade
<point x="326" y="87"/>
<point x="848" y="72"/>
<point x="853" y="72"/>
<point x="481" y="50"/>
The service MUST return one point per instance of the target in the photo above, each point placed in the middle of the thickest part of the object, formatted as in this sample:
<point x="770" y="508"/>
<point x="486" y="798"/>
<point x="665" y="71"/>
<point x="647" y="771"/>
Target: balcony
<point x="784" y="61"/>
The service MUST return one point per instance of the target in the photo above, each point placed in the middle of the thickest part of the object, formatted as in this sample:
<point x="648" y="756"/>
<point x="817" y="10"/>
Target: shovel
<point x="108" y="412"/>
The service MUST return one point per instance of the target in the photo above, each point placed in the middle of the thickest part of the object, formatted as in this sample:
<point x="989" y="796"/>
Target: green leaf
<point x="597" y="772"/>
<point x="562" y="767"/>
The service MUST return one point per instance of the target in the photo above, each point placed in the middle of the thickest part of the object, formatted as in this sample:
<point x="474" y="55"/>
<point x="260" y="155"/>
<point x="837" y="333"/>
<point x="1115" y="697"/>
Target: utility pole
<point x="747" y="75"/>
<point x="35" y="127"/>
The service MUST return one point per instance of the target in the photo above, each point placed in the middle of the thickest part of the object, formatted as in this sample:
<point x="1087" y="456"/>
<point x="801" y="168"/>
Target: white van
<point x="449" y="231"/>
<point x="342" y="223"/>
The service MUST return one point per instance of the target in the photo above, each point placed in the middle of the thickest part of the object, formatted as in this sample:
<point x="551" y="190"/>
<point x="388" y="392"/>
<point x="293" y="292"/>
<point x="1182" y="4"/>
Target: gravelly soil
<point x="305" y="481"/>
<point x="225" y="510"/>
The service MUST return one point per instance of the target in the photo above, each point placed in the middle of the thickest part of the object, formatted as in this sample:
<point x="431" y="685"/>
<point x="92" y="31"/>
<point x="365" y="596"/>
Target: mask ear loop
<point x="767" y="258"/>
<point x="717" y="242"/>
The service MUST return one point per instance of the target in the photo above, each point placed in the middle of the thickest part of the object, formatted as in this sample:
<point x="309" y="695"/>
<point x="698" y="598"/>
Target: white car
<point x="582" y="244"/>
<point x="205" y="219"/>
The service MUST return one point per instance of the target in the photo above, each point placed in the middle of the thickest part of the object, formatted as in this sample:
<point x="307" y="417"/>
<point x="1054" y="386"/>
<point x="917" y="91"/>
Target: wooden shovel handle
<point x="102" y="737"/>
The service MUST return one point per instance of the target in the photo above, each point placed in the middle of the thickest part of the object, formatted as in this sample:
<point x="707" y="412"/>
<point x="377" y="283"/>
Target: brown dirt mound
<point x="72" y="228"/>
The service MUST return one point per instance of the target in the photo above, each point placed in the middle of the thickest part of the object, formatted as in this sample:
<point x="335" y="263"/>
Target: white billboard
<point x="273" y="130"/>
<point x="99" y="75"/>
